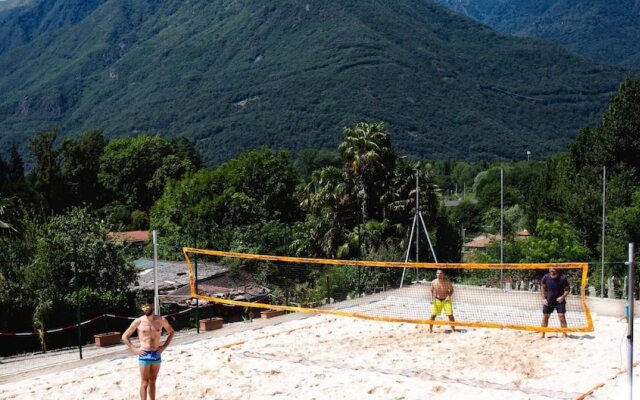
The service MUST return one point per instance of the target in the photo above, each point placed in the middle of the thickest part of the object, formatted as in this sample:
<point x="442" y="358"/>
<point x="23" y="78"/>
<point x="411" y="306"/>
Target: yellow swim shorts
<point x="439" y="305"/>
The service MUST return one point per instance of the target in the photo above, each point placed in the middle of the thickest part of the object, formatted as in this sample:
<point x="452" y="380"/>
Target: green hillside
<point x="604" y="30"/>
<point x="240" y="74"/>
<point x="9" y="4"/>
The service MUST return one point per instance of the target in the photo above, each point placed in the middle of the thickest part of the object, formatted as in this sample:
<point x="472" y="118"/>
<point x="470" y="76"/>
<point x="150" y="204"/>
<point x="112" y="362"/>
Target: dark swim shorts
<point x="149" y="358"/>
<point x="561" y="308"/>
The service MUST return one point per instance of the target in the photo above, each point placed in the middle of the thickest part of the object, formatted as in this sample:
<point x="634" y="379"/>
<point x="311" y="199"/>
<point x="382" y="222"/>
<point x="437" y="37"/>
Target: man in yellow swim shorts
<point x="441" y="292"/>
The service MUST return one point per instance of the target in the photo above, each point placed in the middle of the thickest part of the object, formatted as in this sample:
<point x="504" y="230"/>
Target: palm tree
<point x="366" y="153"/>
<point x="328" y="198"/>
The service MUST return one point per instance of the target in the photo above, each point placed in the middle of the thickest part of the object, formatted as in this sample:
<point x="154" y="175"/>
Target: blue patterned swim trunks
<point x="149" y="358"/>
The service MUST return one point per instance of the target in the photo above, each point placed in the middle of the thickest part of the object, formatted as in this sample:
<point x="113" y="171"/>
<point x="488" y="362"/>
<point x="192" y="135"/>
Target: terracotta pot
<point x="107" y="339"/>
<point x="271" y="313"/>
<point x="210" y="324"/>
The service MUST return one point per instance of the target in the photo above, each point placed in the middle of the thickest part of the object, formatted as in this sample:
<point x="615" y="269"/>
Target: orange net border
<point x="325" y="261"/>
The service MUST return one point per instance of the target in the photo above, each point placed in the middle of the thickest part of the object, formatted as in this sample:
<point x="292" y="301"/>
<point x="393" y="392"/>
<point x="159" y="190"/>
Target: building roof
<point x="237" y="286"/>
<point x="482" y="241"/>
<point x="129" y="236"/>
<point x="213" y="280"/>
<point x="171" y="274"/>
<point x="456" y="203"/>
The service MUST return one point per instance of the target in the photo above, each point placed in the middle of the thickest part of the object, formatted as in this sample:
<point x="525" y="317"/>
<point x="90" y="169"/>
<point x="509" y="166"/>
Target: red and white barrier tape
<point x="84" y="323"/>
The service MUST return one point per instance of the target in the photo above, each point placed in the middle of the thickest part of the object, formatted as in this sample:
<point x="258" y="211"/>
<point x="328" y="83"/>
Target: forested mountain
<point x="604" y="30"/>
<point x="235" y="75"/>
<point x="9" y="4"/>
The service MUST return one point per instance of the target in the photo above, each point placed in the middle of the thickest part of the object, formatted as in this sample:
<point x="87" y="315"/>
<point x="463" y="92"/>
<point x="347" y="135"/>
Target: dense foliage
<point x="354" y="203"/>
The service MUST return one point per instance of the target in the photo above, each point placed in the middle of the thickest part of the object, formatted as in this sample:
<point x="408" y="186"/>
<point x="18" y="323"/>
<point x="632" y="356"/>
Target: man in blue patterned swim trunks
<point x="149" y="329"/>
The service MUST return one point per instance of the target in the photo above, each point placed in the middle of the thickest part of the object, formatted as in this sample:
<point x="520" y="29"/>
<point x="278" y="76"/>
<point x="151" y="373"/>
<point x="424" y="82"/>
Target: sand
<point x="325" y="357"/>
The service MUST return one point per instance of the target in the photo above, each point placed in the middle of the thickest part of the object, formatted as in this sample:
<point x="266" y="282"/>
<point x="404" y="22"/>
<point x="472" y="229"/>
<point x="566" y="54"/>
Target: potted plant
<point x="266" y="314"/>
<point x="210" y="324"/>
<point x="107" y="338"/>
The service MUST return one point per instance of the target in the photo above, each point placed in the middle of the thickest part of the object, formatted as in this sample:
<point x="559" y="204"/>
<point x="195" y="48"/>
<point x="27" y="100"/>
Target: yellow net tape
<point x="484" y="295"/>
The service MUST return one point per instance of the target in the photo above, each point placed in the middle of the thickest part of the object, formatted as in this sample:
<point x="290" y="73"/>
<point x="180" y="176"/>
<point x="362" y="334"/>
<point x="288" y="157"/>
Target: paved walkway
<point x="28" y="365"/>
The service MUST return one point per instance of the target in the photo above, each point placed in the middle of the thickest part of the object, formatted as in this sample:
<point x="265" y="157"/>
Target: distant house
<point x="523" y="234"/>
<point x="239" y="286"/>
<point x="456" y="203"/>
<point x="214" y="280"/>
<point x="171" y="274"/>
<point x="136" y="238"/>
<point x="480" y="243"/>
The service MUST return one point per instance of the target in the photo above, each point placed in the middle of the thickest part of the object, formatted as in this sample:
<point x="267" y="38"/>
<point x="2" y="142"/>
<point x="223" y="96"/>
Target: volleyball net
<point x="484" y="295"/>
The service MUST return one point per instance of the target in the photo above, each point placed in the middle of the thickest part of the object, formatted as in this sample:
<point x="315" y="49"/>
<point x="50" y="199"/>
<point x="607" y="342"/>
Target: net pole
<point x="417" y="212"/>
<point x="604" y="191"/>
<point x="195" y="266"/>
<point x="74" y="264"/>
<point x="501" y="223"/>
<point x="156" y="298"/>
<point x="630" y="299"/>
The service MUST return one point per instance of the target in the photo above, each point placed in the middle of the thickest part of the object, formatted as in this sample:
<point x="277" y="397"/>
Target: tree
<point x="173" y="167"/>
<point x="615" y="140"/>
<point x="46" y="177"/>
<point x="104" y="273"/>
<point x="16" y="167"/>
<point x="80" y="167"/>
<point x="554" y="242"/>
<point x="128" y="164"/>
<point x="310" y="160"/>
<point x="257" y="187"/>
<point x="40" y="317"/>
<point x="184" y="149"/>
<point x="366" y="153"/>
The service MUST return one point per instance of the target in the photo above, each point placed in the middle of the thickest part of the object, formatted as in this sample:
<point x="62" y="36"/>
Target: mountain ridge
<point x="602" y="30"/>
<point x="235" y="75"/>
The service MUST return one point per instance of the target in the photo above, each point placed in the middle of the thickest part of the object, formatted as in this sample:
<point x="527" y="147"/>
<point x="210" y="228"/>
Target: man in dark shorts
<point x="555" y="289"/>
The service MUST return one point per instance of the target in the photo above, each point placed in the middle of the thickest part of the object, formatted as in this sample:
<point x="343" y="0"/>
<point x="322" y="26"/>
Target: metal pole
<point x="156" y="298"/>
<point x="424" y="226"/>
<point x="631" y="299"/>
<point x="197" y="301"/>
<point x="462" y="246"/>
<point x="604" y="185"/>
<point x="75" y="274"/>
<point x="406" y="258"/>
<point x="417" y="212"/>
<point x="501" y="222"/>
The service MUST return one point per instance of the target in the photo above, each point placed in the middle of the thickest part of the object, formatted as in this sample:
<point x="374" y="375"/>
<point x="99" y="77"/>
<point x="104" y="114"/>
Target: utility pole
<point x="501" y="221"/>
<point x="630" y="299"/>
<point x="604" y="192"/>
<point x="75" y="275"/>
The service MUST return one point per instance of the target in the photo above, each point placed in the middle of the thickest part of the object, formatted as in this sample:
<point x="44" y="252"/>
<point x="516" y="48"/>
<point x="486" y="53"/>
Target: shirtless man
<point x="441" y="292"/>
<point x="149" y="328"/>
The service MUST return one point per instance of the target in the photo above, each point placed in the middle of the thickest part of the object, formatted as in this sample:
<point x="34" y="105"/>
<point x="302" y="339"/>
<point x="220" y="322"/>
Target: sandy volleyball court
<point x="325" y="357"/>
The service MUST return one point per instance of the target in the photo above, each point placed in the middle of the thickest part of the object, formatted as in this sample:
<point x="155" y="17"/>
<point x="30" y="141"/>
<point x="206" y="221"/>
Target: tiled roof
<point x="482" y="241"/>
<point x="129" y="236"/>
